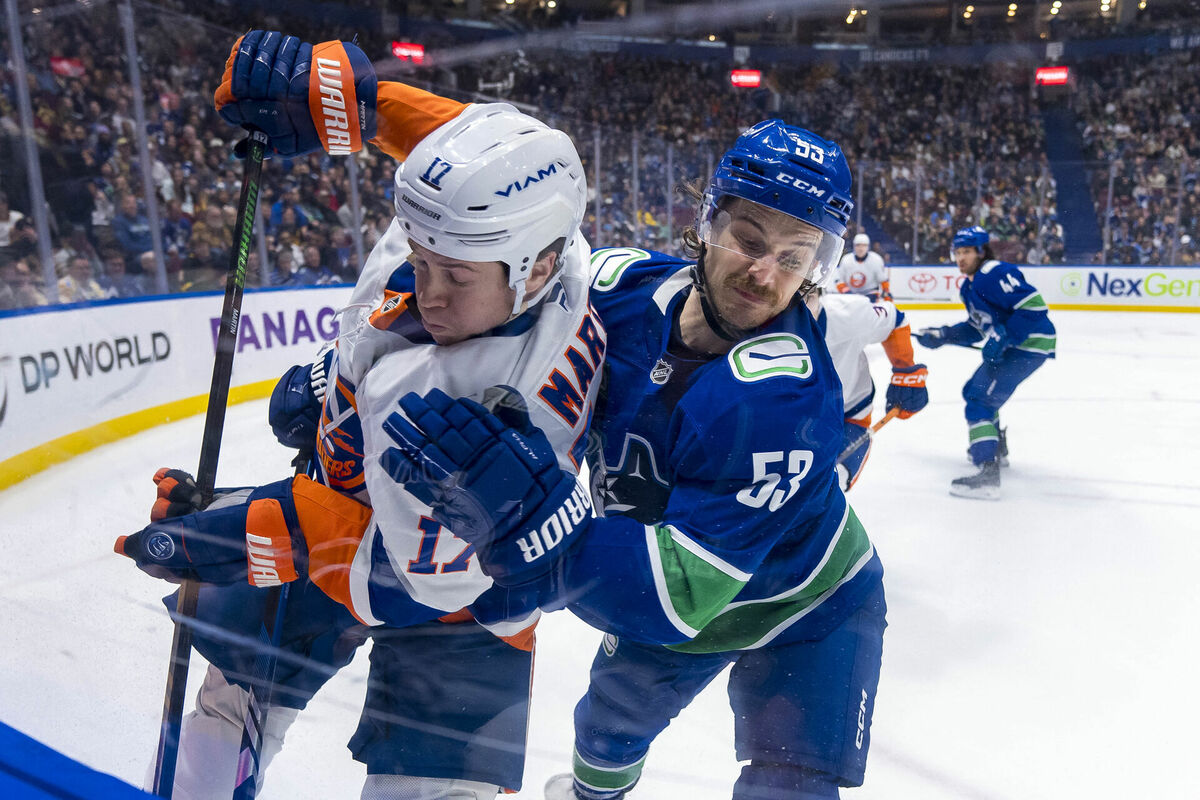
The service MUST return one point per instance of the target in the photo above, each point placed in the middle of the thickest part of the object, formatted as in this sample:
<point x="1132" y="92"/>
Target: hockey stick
<point x="888" y="417"/>
<point x="258" y="701"/>
<point x="957" y="344"/>
<point x="206" y="473"/>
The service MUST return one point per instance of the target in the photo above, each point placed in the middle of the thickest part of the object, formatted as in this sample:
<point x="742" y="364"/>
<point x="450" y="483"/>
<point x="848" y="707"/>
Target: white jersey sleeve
<point x="551" y="362"/>
<point x="851" y="323"/>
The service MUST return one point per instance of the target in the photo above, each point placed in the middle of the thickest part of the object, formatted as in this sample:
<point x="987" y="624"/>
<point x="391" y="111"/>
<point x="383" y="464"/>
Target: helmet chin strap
<point x="719" y="325"/>
<point x="518" y="299"/>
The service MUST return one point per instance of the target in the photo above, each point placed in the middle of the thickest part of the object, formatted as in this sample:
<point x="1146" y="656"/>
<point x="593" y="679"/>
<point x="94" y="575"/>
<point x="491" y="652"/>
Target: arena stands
<point x="933" y="146"/>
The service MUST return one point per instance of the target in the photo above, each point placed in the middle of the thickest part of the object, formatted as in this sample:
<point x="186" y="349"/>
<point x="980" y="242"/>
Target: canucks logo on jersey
<point x="634" y="487"/>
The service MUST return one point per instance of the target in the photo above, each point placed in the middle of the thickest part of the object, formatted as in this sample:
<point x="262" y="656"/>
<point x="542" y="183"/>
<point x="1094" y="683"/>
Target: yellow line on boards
<point x="24" y="465"/>
<point x="1057" y="307"/>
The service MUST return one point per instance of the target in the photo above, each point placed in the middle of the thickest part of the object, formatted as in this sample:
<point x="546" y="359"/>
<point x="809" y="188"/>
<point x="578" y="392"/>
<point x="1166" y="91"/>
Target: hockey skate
<point x="562" y="787"/>
<point x="984" y="485"/>
<point x="1002" y="446"/>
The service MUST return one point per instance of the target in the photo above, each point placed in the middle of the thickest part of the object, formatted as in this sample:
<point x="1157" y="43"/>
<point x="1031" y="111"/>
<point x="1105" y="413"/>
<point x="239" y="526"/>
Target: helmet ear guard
<point x="493" y="184"/>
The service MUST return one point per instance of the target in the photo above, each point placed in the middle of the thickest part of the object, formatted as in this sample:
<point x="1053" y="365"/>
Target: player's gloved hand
<point x="177" y="494"/>
<point x="907" y="390"/>
<point x="933" y="338"/>
<point x="295" y="408"/>
<point x="304" y="97"/>
<point x="262" y="535"/>
<point x="995" y="345"/>
<point x="490" y="477"/>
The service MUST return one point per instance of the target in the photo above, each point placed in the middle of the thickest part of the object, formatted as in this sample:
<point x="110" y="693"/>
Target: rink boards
<point x="1070" y="287"/>
<point x="77" y="376"/>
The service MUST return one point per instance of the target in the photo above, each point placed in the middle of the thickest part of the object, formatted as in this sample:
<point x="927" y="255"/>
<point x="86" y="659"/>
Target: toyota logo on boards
<point x="922" y="283"/>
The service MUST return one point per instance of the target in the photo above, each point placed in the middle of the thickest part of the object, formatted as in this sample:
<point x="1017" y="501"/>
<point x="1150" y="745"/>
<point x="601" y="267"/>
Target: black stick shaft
<point x="206" y="473"/>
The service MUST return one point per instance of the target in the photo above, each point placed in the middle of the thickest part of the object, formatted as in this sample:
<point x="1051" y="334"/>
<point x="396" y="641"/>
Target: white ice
<point x="1042" y="646"/>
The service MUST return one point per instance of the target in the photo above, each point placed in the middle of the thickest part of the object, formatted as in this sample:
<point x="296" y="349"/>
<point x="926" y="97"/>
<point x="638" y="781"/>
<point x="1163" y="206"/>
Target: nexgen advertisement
<point x="80" y="368"/>
<point x="1066" y="287"/>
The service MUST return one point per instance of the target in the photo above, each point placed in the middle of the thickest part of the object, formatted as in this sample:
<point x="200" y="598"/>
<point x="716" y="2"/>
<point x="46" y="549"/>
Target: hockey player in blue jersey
<point x="723" y="536"/>
<point x="1010" y="317"/>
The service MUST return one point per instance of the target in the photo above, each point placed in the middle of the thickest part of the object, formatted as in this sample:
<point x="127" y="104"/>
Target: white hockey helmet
<point x="861" y="238"/>
<point x="493" y="184"/>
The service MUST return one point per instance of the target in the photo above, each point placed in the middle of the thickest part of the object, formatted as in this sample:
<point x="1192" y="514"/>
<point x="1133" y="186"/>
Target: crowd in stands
<point x="931" y="145"/>
<point x="1140" y="122"/>
<point x="933" y="148"/>
<point x="102" y="237"/>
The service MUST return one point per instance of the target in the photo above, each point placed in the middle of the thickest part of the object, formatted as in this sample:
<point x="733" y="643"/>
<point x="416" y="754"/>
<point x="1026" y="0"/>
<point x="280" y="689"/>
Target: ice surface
<point x="1044" y="646"/>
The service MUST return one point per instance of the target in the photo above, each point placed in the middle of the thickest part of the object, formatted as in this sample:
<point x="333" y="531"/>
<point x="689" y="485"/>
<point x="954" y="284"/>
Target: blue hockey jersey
<point x="999" y="296"/>
<point x="715" y="477"/>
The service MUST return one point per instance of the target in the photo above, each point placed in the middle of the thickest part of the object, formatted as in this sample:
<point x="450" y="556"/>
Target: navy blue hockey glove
<point x="933" y="338"/>
<point x="490" y="477"/>
<point x="295" y="408"/>
<point x="907" y="390"/>
<point x="260" y="535"/>
<point x="995" y="345"/>
<point x="305" y="97"/>
<point x="211" y="545"/>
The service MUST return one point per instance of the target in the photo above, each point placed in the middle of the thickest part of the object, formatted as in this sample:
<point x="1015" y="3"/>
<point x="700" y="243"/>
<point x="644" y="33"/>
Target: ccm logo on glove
<point x="912" y="379"/>
<point x="538" y="541"/>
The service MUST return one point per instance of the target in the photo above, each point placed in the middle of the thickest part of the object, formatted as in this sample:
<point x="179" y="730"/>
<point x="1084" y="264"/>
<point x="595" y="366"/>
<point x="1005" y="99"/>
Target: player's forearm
<point x="963" y="333"/>
<point x="666" y="593"/>
<point x="898" y="347"/>
<point x="405" y="115"/>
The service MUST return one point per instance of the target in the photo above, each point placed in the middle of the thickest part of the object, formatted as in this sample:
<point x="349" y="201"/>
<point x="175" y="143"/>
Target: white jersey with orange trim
<point x="550" y="355"/>
<point x="852" y="322"/>
<point x="865" y="276"/>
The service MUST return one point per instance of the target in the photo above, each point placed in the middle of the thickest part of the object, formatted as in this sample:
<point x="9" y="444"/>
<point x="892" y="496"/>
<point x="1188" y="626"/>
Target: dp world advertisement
<point x="1084" y="288"/>
<point x="75" y="376"/>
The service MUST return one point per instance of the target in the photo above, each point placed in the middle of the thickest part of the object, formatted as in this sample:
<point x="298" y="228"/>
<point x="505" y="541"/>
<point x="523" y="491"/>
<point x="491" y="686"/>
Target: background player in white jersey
<point x="471" y="288"/>
<point x="1011" y="318"/>
<point x="862" y="271"/>
<point x="851" y="322"/>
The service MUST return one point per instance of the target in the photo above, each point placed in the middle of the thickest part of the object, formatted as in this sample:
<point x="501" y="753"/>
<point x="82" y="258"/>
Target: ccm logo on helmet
<point x="800" y="184"/>
<point x="542" y="174"/>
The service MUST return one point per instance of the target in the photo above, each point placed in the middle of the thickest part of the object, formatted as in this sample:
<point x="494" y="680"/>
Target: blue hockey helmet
<point x="973" y="236"/>
<point x="793" y="171"/>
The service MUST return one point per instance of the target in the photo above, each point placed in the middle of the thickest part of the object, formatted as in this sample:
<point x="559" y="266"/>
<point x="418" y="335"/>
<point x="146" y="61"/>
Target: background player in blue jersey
<point x="1011" y="318"/>
<point x="724" y="538"/>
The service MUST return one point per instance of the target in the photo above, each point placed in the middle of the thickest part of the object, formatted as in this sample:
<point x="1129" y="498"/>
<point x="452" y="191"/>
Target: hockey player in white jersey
<point x="851" y="322"/>
<point x="862" y="271"/>
<point x="478" y="288"/>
